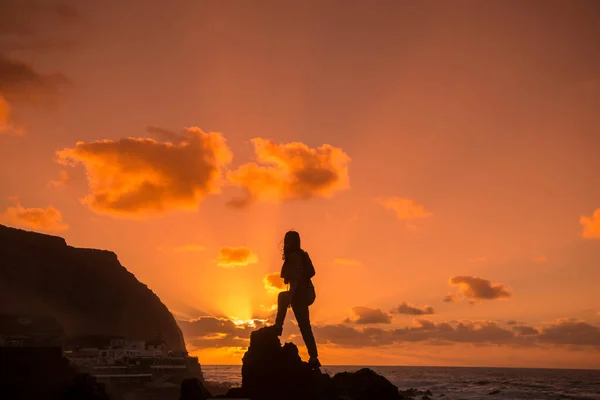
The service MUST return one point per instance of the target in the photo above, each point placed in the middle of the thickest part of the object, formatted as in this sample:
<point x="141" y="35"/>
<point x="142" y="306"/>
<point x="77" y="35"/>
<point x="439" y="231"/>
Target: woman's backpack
<point x="309" y="268"/>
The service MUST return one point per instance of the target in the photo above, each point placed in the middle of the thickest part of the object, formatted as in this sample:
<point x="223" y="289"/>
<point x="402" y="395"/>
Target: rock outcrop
<point x="88" y="291"/>
<point x="33" y="373"/>
<point x="273" y="371"/>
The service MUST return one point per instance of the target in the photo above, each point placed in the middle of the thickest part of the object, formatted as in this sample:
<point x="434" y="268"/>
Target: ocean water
<point x="464" y="382"/>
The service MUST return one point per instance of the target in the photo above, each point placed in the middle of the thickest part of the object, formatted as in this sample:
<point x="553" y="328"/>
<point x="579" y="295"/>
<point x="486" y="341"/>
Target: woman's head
<point x="291" y="243"/>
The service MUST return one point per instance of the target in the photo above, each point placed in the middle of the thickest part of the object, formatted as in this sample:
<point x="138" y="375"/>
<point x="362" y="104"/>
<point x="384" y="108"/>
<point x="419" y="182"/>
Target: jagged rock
<point x="86" y="290"/>
<point x="85" y="386"/>
<point x="33" y="373"/>
<point x="273" y="371"/>
<point x="192" y="389"/>
<point x="364" y="384"/>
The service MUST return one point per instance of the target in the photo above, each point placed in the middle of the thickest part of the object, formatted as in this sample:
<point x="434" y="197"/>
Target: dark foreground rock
<point x="33" y="373"/>
<point x="273" y="371"/>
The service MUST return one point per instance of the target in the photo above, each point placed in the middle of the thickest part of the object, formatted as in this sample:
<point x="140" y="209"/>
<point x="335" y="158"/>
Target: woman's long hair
<point x="291" y="243"/>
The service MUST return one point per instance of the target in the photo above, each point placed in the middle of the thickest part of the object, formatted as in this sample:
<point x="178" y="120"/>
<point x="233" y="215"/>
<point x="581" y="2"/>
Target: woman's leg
<point x="303" y="318"/>
<point x="282" y="306"/>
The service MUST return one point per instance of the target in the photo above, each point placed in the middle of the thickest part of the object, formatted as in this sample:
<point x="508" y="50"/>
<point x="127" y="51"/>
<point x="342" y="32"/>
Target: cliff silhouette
<point x="87" y="290"/>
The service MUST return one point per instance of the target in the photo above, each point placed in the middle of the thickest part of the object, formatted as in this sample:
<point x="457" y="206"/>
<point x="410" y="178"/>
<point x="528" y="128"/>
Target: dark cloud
<point x="570" y="331"/>
<point x="32" y="25"/>
<point x="407" y="308"/>
<point x="20" y="82"/>
<point x="482" y="333"/>
<point x="213" y="331"/>
<point x="345" y="336"/>
<point x="524" y="330"/>
<point x="511" y="322"/>
<point x="475" y="288"/>
<point x="366" y="315"/>
<point x="450" y="298"/>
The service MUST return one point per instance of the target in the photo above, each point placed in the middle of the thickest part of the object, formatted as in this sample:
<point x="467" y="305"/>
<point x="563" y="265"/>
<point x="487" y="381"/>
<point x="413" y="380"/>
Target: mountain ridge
<point x="87" y="290"/>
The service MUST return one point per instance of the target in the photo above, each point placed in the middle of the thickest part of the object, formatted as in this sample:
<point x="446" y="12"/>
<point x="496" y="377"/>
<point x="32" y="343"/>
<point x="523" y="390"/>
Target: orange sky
<point x="439" y="160"/>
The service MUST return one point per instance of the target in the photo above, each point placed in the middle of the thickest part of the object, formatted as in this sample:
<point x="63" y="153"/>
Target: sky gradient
<point x="439" y="159"/>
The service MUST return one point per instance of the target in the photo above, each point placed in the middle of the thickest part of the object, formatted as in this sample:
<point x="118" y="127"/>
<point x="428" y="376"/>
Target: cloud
<point x="425" y="331"/>
<point x="346" y="261"/>
<point x="236" y="256"/>
<point x="28" y="25"/>
<point x="63" y="178"/>
<point x="475" y="288"/>
<point x="405" y="209"/>
<point x="511" y="322"/>
<point x="571" y="331"/>
<point x="6" y="124"/>
<point x="20" y="83"/>
<point x="142" y="177"/>
<point x="274" y="283"/>
<point x="524" y="330"/>
<point x="49" y="218"/>
<point x="349" y="337"/>
<point x="563" y="332"/>
<point x="290" y="171"/>
<point x="450" y="298"/>
<point x="366" y="315"/>
<point x="210" y="331"/>
<point x="591" y="225"/>
<point x="407" y="308"/>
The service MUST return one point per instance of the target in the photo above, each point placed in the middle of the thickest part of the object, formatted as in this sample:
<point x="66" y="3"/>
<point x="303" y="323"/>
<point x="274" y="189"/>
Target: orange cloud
<point x="274" y="283"/>
<point x="236" y="256"/>
<point x="407" y="308"/>
<point x="405" y="209"/>
<point x="140" y="177"/>
<point x="49" y="218"/>
<point x="63" y="178"/>
<point x="591" y="226"/>
<point x="290" y="171"/>
<point x="346" y="261"/>
<point x="6" y="126"/>
<point x="475" y="288"/>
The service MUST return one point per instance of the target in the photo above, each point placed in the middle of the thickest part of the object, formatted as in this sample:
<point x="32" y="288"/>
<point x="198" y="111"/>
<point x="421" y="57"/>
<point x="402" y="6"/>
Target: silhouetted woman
<point x="297" y="270"/>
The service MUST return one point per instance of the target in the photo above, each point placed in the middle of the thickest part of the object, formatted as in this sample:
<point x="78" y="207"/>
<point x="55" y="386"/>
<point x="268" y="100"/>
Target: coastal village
<point x="109" y="358"/>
